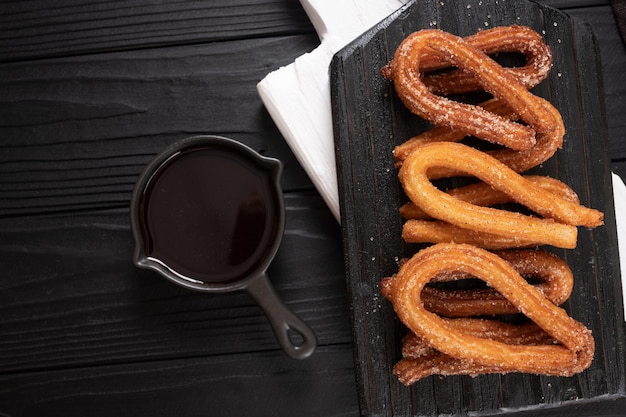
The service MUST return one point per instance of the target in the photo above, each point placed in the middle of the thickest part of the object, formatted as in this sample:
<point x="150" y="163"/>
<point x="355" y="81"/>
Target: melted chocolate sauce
<point x="210" y="214"/>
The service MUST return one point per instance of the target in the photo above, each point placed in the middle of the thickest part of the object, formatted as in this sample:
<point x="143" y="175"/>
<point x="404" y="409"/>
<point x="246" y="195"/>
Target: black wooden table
<point x="89" y="92"/>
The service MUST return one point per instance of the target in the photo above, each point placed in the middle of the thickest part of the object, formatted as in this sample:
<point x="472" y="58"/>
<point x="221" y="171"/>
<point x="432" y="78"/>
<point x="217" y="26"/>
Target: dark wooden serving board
<point x="369" y="121"/>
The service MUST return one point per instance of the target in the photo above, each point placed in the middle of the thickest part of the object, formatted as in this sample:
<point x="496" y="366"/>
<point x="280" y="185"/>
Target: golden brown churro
<point x="474" y="353"/>
<point x="562" y="215"/>
<point x="482" y="194"/>
<point x="404" y="69"/>
<point x="458" y="330"/>
<point x="548" y="128"/>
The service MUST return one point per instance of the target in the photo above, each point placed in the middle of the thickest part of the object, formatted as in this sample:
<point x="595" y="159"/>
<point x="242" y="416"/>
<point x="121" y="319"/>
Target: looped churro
<point x="516" y="39"/>
<point x="404" y="69"/>
<point x="554" y="276"/>
<point x="421" y="229"/>
<point x="463" y="352"/>
<point x="549" y="135"/>
<point x="554" y="281"/>
<point x="482" y="194"/>
<point x="558" y="228"/>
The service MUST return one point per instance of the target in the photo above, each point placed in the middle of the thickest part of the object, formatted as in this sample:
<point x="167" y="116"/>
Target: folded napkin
<point x="297" y="97"/>
<point x="619" y="193"/>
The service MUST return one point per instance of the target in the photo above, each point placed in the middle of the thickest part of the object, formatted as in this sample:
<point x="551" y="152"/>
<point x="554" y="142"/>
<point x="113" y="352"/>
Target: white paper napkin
<point x="619" y="193"/>
<point x="297" y="97"/>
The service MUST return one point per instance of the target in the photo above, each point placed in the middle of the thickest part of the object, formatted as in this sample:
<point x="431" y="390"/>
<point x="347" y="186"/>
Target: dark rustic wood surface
<point x="89" y="92"/>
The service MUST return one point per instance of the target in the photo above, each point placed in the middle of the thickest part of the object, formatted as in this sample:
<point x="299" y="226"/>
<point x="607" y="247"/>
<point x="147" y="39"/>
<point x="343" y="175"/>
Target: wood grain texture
<point x="77" y="131"/>
<point x="261" y="384"/>
<point x="370" y="121"/>
<point x="613" y="58"/>
<point x="43" y="29"/>
<point x="70" y="294"/>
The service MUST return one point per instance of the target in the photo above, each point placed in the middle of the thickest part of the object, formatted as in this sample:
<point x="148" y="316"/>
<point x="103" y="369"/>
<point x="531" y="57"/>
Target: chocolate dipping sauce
<point x="207" y="213"/>
<point x="210" y="214"/>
